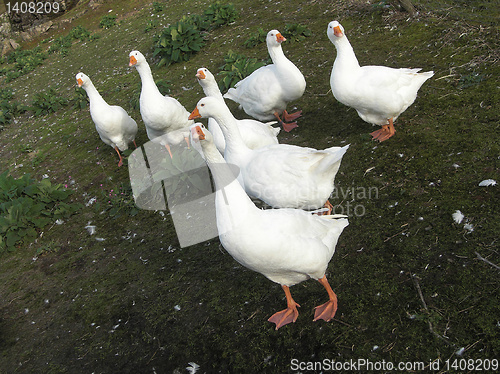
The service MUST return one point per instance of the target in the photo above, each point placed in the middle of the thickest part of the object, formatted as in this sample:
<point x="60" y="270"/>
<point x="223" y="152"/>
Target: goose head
<point x="199" y="133"/>
<point x="335" y="31"/>
<point x="135" y="58"/>
<point x="207" y="107"/>
<point x="204" y="75"/>
<point x="82" y="79"/>
<point x="274" y="38"/>
<point x="202" y="140"/>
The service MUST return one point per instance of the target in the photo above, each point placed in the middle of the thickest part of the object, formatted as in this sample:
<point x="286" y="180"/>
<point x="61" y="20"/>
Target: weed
<point x="8" y="109"/>
<point x="294" y="32"/>
<point x="178" y="42"/>
<point x="79" y="99"/>
<point x="48" y="248"/>
<point x="219" y="15"/>
<point x="236" y="67"/>
<point x="80" y="33"/>
<point x="61" y="45"/>
<point x="157" y="7"/>
<point x="150" y="25"/>
<point x="256" y="38"/>
<point x="181" y="40"/>
<point x="23" y="61"/>
<point x="107" y="21"/>
<point x="27" y="206"/>
<point x="47" y="102"/>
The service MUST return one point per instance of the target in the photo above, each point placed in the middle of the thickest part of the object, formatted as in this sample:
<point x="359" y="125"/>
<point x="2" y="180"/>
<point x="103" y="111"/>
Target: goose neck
<point x="94" y="95"/>
<point x="277" y="54"/>
<point x="212" y="90"/>
<point x="232" y="135"/>
<point x="345" y="53"/>
<point x="148" y="82"/>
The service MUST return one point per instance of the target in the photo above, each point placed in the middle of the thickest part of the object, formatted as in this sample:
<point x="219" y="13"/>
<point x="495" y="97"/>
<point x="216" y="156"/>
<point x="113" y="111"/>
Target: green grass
<point x="71" y="302"/>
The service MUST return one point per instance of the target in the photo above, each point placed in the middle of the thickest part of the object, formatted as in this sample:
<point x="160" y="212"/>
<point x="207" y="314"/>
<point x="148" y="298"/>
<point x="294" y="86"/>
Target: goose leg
<point x="134" y="143"/>
<point x="168" y="149"/>
<point x="385" y="132"/>
<point x="187" y="141"/>
<point x="327" y="310"/>
<point x="288" y="117"/>
<point x="328" y="205"/>
<point x="287" y="315"/>
<point x="286" y="126"/>
<point x="120" y="163"/>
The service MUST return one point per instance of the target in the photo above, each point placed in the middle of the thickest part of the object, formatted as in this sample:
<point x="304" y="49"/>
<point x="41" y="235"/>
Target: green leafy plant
<point x="256" y="38"/>
<point x="178" y="42"/>
<point x="157" y="7"/>
<point x="80" y="33"/>
<point x="47" y="102"/>
<point x="27" y="206"/>
<point x="201" y="22"/>
<point x="8" y="109"/>
<point x="294" y="32"/>
<point x="236" y="67"/>
<point x="80" y="98"/>
<point x="22" y="61"/>
<point x="107" y="21"/>
<point x="150" y="25"/>
<point x="219" y="15"/>
<point x="61" y="45"/>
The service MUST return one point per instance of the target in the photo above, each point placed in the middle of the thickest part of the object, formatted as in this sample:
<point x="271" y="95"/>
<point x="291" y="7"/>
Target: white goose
<point x="282" y="175"/>
<point x="378" y="93"/>
<point x="166" y="120"/>
<point x="287" y="246"/>
<point x="255" y="134"/>
<point x="265" y="93"/>
<point x="115" y="127"/>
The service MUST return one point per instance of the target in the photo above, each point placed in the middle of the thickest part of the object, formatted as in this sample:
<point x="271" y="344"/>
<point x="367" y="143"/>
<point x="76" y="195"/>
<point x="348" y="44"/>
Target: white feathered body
<point x="287" y="246"/>
<point x="378" y="93"/>
<point x="113" y="124"/>
<point x="270" y="88"/>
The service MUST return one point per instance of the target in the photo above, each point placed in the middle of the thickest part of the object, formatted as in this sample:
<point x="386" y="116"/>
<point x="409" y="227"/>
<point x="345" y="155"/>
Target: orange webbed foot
<point x="385" y="132"/>
<point x="325" y="311"/>
<point x="285" y="316"/>
<point x="289" y="126"/>
<point x="289" y="117"/>
<point x="286" y="126"/>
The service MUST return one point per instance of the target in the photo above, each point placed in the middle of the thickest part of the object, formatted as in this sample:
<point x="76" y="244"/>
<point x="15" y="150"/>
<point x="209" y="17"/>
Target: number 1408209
<point x="36" y="7"/>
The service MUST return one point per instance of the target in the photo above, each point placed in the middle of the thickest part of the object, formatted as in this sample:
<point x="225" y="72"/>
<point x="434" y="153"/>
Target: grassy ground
<point x="410" y="284"/>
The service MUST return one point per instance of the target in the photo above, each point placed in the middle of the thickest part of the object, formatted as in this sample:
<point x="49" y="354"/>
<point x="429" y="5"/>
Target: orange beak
<point x="280" y="38"/>
<point x="200" y="74"/>
<point x="133" y="61"/>
<point x="337" y="31"/>
<point x="195" y="114"/>
<point x="80" y="82"/>
<point x="200" y="133"/>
